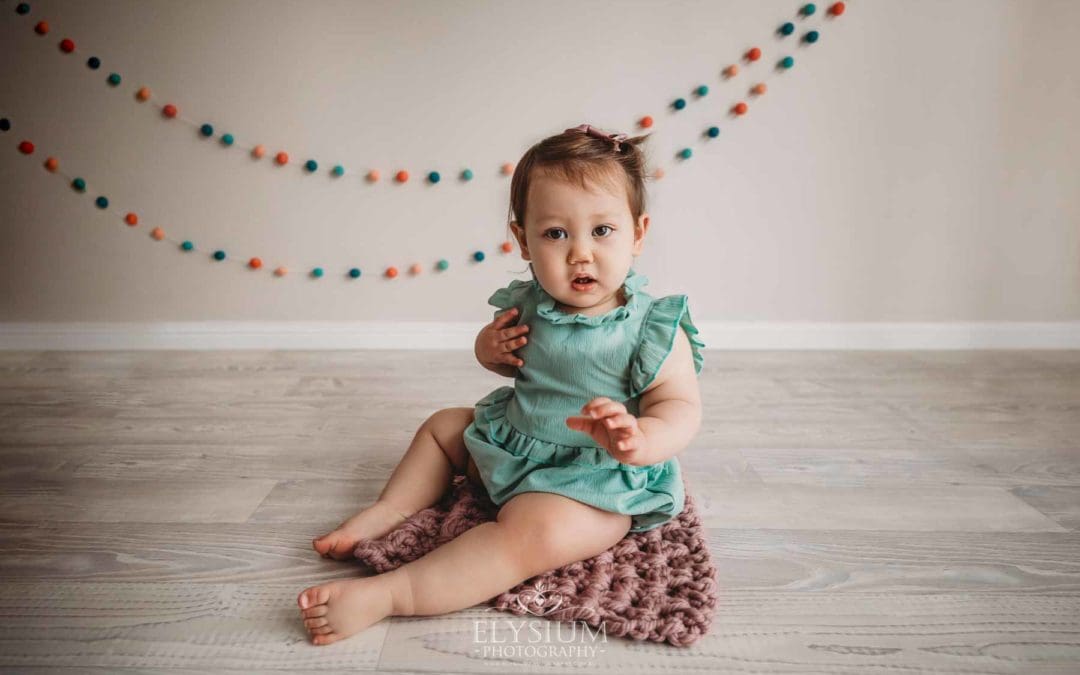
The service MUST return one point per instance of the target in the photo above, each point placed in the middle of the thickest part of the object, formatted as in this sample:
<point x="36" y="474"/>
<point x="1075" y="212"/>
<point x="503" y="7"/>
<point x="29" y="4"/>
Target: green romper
<point x="519" y="439"/>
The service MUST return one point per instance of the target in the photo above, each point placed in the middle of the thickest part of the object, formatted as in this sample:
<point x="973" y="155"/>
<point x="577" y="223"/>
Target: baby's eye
<point x="604" y="227"/>
<point x="553" y="230"/>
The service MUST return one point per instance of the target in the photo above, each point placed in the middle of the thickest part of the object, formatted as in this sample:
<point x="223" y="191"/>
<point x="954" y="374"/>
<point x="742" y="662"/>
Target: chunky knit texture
<point x="656" y="585"/>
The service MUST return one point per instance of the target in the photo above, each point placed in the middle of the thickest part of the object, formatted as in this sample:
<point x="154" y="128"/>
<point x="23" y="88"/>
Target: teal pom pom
<point x="227" y="139"/>
<point x="102" y="202"/>
<point x="787" y="29"/>
<point x="219" y="255"/>
<point x="702" y="90"/>
<point x="114" y="79"/>
<point x="467" y="174"/>
<point x="714" y="132"/>
<point x="478" y="256"/>
<point x="812" y="36"/>
<point x="679" y="103"/>
<point x="808" y="9"/>
<point x="339" y="170"/>
<point x="79" y="184"/>
<point x="317" y="272"/>
<point x="22" y="8"/>
<point x="206" y="130"/>
<point x="187" y="246"/>
<point x="443" y="264"/>
<point x="686" y="153"/>
<point x="355" y="273"/>
<point x="787" y="62"/>
<point x="434" y="177"/>
<point x="311" y="165"/>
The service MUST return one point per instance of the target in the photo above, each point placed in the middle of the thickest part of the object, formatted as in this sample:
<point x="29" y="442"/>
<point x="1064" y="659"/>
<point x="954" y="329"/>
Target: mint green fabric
<point x="519" y="439"/>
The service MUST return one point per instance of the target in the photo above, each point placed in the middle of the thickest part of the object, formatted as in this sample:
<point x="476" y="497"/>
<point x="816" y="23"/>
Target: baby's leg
<point x="437" y="452"/>
<point x="535" y="532"/>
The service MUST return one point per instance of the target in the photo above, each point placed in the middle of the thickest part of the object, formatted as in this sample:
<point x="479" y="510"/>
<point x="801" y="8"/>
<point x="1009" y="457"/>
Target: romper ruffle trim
<point x="666" y="315"/>
<point x="519" y="463"/>
<point x="518" y="292"/>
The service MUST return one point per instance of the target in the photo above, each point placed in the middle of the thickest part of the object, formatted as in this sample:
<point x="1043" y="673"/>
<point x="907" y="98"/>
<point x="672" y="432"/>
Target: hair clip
<point x="615" y="139"/>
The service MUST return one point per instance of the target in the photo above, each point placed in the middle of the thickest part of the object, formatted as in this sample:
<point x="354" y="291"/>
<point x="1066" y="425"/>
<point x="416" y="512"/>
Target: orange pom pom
<point x="754" y="54"/>
<point x="42" y="27"/>
<point x="255" y="263"/>
<point x="659" y="173"/>
<point x="131" y="219"/>
<point x="507" y="247"/>
<point x="258" y="151"/>
<point x="157" y="233"/>
<point x="391" y="272"/>
<point x="52" y="164"/>
<point x="645" y="122"/>
<point x="373" y="176"/>
<point x="282" y="158"/>
<point x="758" y="89"/>
<point x="731" y="71"/>
<point x="280" y="272"/>
<point x="169" y="110"/>
<point x="401" y="177"/>
<point x="837" y="8"/>
<point x="740" y="108"/>
<point x="507" y="169"/>
<point x="143" y="94"/>
<point x="416" y="269"/>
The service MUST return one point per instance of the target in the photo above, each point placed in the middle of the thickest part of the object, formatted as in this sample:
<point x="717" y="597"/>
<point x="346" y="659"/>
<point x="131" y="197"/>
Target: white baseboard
<point x="80" y="336"/>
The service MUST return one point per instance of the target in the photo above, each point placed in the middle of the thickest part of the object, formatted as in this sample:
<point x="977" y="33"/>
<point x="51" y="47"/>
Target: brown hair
<point x="579" y="158"/>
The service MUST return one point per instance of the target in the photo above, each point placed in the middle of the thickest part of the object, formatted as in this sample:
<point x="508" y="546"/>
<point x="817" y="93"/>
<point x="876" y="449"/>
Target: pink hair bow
<point x="616" y="139"/>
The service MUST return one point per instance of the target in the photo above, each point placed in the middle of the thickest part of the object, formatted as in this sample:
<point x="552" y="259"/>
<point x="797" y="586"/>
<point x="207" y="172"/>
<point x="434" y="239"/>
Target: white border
<point x="460" y="335"/>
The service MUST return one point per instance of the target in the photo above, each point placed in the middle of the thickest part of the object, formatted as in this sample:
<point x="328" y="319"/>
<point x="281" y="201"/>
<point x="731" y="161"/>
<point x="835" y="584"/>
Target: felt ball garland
<point x="206" y="129"/>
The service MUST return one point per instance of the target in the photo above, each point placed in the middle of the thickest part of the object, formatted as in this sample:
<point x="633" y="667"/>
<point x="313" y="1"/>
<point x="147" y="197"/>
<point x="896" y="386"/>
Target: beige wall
<point x="920" y="163"/>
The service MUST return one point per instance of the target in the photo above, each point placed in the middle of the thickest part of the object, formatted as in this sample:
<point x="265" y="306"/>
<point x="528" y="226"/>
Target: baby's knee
<point x="447" y="427"/>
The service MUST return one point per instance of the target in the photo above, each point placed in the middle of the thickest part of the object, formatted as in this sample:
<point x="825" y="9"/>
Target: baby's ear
<point x="519" y="234"/>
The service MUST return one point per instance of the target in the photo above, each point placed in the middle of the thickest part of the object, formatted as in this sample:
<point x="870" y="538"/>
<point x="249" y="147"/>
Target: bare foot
<point x="370" y="523"/>
<point x="338" y="609"/>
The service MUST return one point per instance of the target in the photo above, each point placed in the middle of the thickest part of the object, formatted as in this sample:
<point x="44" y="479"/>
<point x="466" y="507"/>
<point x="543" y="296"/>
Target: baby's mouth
<point x="583" y="283"/>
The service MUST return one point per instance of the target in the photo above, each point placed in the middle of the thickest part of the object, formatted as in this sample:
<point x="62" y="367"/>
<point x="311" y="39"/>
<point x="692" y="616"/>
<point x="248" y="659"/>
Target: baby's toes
<point x="317" y="610"/>
<point x="327" y="638"/>
<point x="317" y="622"/>
<point x="322" y="630"/>
<point x="310" y="597"/>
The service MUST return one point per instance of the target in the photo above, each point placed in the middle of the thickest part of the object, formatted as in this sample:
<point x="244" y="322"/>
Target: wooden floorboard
<point x="896" y="512"/>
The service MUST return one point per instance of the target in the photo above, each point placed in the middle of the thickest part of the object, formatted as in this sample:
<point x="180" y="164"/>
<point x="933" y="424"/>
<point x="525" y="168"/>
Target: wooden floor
<point x="869" y="512"/>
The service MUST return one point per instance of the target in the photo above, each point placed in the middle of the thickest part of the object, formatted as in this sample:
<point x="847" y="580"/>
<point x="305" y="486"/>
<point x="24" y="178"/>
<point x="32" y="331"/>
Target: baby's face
<point x="570" y="231"/>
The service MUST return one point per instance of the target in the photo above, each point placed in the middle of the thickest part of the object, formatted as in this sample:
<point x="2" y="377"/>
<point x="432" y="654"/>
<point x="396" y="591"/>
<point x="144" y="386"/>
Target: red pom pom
<point x="26" y="147"/>
<point x="169" y="110"/>
<point x="255" y="263"/>
<point x="131" y="219"/>
<point x="67" y="46"/>
<point x="646" y="122"/>
<point x="391" y="272"/>
<point x="740" y="108"/>
<point x="837" y="8"/>
<point x="401" y="177"/>
<point x="754" y="54"/>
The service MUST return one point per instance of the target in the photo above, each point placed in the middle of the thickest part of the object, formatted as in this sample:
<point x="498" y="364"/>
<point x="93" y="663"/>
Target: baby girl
<point x="581" y="450"/>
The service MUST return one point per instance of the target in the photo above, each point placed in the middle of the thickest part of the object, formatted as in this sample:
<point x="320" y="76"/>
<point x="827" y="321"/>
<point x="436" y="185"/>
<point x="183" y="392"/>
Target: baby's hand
<point x="613" y="428"/>
<point x="497" y="341"/>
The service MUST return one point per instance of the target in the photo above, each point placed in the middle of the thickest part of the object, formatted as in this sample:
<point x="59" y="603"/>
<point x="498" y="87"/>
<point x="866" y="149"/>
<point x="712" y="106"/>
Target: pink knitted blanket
<point x="657" y="585"/>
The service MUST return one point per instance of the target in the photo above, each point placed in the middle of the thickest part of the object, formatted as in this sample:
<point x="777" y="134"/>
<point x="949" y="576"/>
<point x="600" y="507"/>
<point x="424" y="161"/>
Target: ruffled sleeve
<point x="665" y="316"/>
<point x="518" y="294"/>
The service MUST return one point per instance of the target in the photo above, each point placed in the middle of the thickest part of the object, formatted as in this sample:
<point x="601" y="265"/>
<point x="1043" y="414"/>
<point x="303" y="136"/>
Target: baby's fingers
<point x="621" y="421"/>
<point x="512" y="344"/>
<point x="505" y="318"/>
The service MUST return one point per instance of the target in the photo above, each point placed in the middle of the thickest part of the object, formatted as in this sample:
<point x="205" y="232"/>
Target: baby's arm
<point x="670" y="408"/>
<point x="669" y="414"/>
